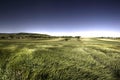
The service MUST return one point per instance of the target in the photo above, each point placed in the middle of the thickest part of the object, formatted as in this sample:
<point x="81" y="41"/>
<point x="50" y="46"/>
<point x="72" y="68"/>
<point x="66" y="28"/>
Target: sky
<point x="61" y="17"/>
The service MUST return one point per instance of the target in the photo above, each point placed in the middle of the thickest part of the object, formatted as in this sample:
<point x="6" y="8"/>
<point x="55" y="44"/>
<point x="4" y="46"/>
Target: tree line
<point x="23" y="36"/>
<point x="10" y="36"/>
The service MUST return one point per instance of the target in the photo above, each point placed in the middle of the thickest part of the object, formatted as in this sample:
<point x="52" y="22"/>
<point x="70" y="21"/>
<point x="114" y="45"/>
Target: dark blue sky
<point x="59" y="15"/>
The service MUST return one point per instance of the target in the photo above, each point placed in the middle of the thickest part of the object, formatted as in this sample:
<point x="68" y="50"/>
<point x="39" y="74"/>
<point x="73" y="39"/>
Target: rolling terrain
<point x="57" y="59"/>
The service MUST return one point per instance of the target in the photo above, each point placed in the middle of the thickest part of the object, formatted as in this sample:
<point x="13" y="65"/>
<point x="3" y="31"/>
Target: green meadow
<point x="57" y="59"/>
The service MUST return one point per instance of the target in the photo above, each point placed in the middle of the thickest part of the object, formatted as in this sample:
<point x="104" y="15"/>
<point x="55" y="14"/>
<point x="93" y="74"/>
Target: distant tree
<point x="66" y="39"/>
<point x="78" y="37"/>
<point x="3" y="37"/>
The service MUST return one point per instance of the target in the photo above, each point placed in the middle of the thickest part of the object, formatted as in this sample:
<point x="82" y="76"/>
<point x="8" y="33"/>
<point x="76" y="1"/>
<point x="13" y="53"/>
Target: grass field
<point x="87" y="59"/>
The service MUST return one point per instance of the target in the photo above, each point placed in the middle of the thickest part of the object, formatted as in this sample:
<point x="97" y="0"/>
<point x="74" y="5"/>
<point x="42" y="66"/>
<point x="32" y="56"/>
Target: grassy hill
<point x="23" y="36"/>
<point x="57" y="59"/>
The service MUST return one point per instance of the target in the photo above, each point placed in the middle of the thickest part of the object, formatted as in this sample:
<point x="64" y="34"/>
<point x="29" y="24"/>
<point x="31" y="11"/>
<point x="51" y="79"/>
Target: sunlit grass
<point x="88" y="59"/>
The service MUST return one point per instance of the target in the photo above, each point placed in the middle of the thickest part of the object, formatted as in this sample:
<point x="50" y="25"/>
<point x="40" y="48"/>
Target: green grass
<point x="88" y="59"/>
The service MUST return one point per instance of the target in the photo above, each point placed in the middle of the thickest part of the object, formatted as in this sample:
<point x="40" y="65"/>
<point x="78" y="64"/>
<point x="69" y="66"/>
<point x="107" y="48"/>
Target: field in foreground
<point x="88" y="59"/>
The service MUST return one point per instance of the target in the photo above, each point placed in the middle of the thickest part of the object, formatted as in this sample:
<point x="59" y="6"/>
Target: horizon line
<point x="82" y="34"/>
